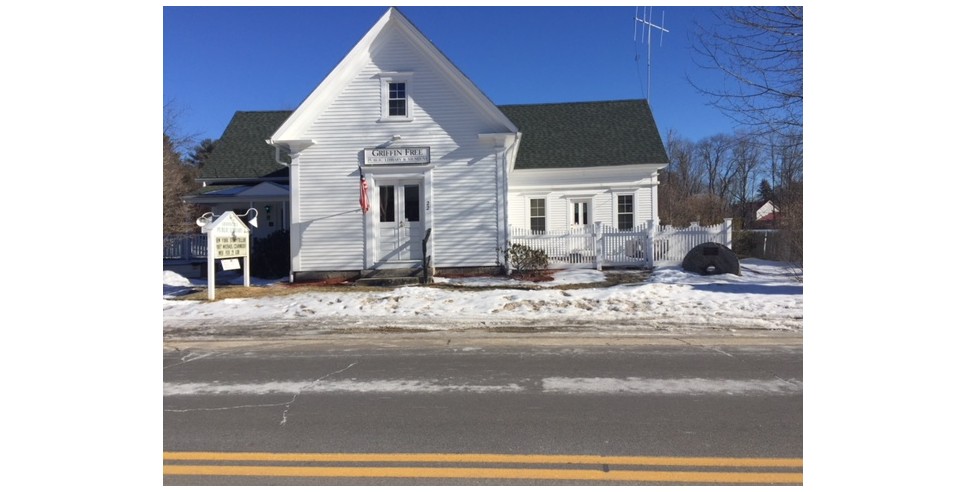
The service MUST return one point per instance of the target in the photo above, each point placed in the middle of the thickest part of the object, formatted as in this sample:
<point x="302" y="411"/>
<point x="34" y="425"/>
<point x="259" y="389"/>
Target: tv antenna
<point x="647" y="22"/>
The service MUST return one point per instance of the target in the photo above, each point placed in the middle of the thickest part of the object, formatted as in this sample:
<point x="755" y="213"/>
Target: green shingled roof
<point x="586" y="134"/>
<point x="241" y="152"/>
<point x="562" y="135"/>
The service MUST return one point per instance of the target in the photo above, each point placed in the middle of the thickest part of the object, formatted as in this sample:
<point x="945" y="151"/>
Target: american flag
<point x="363" y="192"/>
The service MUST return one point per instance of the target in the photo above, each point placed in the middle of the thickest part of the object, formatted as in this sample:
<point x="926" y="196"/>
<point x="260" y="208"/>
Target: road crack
<point x="307" y="386"/>
<point x="190" y="357"/>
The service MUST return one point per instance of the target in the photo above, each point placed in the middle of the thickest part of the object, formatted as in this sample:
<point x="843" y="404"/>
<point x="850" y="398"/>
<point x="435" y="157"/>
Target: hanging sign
<point x="396" y="155"/>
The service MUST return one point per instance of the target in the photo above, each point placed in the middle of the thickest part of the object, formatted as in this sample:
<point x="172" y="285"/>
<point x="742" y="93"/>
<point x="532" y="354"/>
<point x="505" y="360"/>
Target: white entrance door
<point x="581" y="213"/>
<point x="580" y="220"/>
<point x="400" y="224"/>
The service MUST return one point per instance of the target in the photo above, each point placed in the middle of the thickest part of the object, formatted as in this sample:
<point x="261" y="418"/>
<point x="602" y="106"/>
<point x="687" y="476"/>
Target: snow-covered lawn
<point x="767" y="296"/>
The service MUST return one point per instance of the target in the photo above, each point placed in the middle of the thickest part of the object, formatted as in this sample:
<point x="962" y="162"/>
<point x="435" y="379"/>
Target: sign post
<point x="228" y="240"/>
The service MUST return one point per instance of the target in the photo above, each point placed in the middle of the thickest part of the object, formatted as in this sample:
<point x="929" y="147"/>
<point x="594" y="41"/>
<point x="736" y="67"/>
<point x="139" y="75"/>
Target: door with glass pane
<point x="580" y="215"/>
<point x="400" y="223"/>
<point x="580" y="220"/>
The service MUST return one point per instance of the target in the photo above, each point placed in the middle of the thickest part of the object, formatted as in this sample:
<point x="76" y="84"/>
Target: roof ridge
<point x="264" y="110"/>
<point x="572" y="102"/>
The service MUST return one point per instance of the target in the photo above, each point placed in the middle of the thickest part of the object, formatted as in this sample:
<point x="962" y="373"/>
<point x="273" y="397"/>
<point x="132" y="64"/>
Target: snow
<point x="767" y="296"/>
<point x="626" y="386"/>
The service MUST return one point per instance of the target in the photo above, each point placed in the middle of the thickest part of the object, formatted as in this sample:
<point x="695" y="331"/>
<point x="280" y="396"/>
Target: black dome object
<point x="711" y="259"/>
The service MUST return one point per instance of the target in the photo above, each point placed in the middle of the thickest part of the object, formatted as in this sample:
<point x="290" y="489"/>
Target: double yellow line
<point x="740" y="470"/>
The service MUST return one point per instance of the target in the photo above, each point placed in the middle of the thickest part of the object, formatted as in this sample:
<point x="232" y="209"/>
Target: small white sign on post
<point x="227" y="241"/>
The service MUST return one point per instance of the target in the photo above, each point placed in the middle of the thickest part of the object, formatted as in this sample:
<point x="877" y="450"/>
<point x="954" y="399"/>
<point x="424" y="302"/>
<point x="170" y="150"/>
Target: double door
<point x="401" y="224"/>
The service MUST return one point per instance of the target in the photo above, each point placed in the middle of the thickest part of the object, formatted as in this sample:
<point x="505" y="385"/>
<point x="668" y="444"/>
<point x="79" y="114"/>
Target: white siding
<point x="600" y="185"/>
<point x="464" y="194"/>
<point x="603" y="206"/>
<point x="643" y="206"/>
<point x="604" y="209"/>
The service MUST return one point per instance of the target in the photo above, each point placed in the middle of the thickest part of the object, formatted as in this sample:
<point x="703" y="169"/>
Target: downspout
<point x="278" y="159"/>
<point x="278" y="153"/>
<point x="506" y="199"/>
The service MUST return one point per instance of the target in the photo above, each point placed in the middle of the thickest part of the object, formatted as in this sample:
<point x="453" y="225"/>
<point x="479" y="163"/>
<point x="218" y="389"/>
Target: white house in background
<point x="434" y="153"/>
<point x="765" y="211"/>
<point x="242" y="173"/>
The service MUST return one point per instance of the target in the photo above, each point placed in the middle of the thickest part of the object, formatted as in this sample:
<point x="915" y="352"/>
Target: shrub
<point x="270" y="256"/>
<point x="744" y="243"/>
<point x="527" y="259"/>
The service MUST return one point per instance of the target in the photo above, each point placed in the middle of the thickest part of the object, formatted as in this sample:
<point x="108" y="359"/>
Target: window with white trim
<point x="625" y="212"/>
<point x="538" y="214"/>
<point x="396" y="102"/>
<point x="397" y="99"/>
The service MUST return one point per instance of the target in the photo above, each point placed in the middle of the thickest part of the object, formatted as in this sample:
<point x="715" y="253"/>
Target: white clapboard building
<point x="397" y="147"/>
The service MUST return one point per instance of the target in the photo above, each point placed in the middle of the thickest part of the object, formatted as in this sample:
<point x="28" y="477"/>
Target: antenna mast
<point x="648" y="20"/>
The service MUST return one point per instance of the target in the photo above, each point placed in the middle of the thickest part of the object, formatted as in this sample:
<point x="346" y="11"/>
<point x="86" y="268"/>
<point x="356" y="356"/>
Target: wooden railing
<point x="185" y="247"/>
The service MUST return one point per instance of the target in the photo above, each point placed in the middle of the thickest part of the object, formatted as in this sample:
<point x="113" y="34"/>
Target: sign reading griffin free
<point x="396" y="155"/>
<point x="227" y="241"/>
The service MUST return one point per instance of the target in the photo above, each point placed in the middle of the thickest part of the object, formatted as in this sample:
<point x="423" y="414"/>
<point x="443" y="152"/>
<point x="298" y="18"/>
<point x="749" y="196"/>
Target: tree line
<point x="182" y="160"/>
<point x="754" y="56"/>
<point x="729" y="176"/>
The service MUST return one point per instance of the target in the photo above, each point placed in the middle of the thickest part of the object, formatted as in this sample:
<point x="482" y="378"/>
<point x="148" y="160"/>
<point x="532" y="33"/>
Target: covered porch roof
<point x="261" y="192"/>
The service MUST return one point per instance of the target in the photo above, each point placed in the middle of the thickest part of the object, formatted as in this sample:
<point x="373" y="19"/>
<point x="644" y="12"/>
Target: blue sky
<point x="218" y="60"/>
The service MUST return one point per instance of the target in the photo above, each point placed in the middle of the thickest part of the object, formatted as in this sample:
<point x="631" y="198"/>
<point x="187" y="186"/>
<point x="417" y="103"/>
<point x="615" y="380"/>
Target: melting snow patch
<point x="669" y="386"/>
<point x="347" y="386"/>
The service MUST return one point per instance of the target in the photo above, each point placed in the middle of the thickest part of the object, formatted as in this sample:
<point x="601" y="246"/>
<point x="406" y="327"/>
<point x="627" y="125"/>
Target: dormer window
<point x="396" y="96"/>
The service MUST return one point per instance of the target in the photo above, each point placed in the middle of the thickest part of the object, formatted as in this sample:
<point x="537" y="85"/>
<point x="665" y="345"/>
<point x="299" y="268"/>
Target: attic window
<point x="396" y="102"/>
<point x="397" y="99"/>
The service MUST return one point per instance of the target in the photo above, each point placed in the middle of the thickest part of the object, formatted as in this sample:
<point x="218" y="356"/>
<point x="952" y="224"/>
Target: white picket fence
<point x="598" y="245"/>
<point x="672" y="244"/>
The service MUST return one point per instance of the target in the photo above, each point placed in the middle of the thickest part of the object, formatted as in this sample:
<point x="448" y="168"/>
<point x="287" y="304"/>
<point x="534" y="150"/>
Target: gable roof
<point x="558" y="135"/>
<point x="294" y="127"/>
<point x="586" y="134"/>
<point x="242" y="153"/>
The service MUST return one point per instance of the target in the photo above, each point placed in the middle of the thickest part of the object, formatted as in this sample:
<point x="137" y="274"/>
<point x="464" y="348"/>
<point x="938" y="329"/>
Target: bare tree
<point x="714" y="154"/>
<point x="178" y="216"/>
<point x="758" y="53"/>
<point x="181" y="142"/>
<point x="746" y="159"/>
<point x="785" y="156"/>
<point x="178" y="177"/>
<point x="681" y="179"/>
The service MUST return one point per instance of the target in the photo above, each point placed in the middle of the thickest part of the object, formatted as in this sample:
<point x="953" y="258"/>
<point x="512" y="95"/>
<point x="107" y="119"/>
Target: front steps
<point x="391" y="277"/>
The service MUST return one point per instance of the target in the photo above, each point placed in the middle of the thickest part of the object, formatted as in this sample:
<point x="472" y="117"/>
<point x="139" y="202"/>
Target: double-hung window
<point x="625" y="212"/>
<point x="538" y="214"/>
<point x="396" y="101"/>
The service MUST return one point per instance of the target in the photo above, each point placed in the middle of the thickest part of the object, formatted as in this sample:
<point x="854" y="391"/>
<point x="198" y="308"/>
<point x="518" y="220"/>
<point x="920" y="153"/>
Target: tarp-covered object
<point x="711" y="259"/>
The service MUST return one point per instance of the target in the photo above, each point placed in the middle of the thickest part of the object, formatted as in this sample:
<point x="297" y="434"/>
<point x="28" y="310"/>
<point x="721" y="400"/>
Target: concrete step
<point x="392" y="272"/>
<point x="387" y="281"/>
<point x="389" y="277"/>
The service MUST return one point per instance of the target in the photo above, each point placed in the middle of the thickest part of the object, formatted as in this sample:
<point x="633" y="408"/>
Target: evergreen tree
<point x="765" y="192"/>
<point x="201" y="152"/>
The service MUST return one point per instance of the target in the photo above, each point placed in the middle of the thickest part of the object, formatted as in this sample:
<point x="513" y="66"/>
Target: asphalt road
<point x="490" y="410"/>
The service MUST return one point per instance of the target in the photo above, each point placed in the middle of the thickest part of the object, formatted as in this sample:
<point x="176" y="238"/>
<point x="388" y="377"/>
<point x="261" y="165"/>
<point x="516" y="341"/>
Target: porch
<point x="598" y="246"/>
